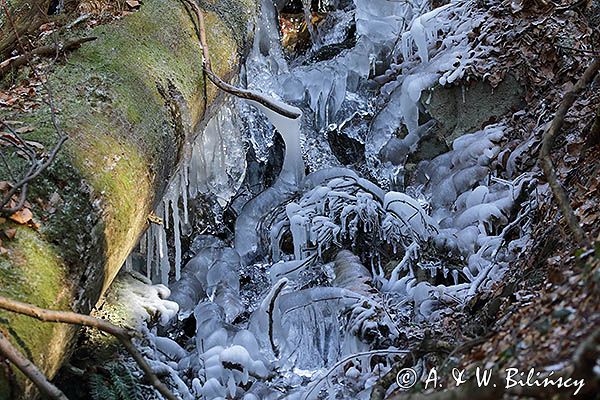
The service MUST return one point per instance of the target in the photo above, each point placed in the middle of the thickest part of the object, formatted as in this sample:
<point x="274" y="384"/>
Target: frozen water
<point x="331" y="264"/>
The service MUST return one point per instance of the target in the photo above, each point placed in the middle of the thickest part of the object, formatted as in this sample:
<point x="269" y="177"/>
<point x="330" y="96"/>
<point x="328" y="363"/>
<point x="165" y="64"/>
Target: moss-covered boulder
<point x="128" y="102"/>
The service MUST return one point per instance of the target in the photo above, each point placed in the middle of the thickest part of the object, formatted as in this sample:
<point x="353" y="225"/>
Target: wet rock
<point x="464" y="109"/>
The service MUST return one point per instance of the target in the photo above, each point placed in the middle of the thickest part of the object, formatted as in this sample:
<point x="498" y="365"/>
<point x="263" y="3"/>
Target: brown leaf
<point x="22" y="216"/>
<point x="36" y="145"/>
<point x="10" y="233"/>
<point x="24" y="129"/>
<point x="5" y="186"/>
<point x="133" y="3"/>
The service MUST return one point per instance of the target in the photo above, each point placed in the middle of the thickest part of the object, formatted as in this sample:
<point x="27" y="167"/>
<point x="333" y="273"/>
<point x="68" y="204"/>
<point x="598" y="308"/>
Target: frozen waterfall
<point x="331" y="262"/>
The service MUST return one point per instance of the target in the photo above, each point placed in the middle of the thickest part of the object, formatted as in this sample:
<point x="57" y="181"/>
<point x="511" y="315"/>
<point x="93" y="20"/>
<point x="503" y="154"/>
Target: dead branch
<point x="36" y="167"/>
<point x="548" y="140"/>
<point x="250" y="95"/>
<point x="123" y="335"/>
<point x="43" y="51"/>
<point x="29" y="369"/>
<point x="594" y="133"/>
<point x="218" y="82"/>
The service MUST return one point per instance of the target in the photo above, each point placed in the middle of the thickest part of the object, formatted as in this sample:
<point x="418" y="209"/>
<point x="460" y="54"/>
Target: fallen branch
<point x="123" y="335"/>
<point x="43" y="51"/>
<point x="226" y="87"/>
<point x="250" y="95"/>
<point x="594" y="134"/>
<point x="8" y="351"/>
<point x="548" y="140"/>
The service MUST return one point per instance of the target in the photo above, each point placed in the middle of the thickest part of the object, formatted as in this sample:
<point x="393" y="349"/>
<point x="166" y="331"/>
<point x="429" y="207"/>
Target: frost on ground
<point x="333" y="265"/>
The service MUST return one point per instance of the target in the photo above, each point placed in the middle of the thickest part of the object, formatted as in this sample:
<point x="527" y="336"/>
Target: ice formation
<point x="319" y="258"/>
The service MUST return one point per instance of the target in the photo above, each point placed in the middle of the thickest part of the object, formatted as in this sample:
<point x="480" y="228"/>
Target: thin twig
<point x="584" y="51"/>
<point x="29" y="369"/>
<point x="43" y="51"/>
<point x="548" y="140"/>
<point x="122" y="334"/>
<point x="344" y="360"/>
<point x="226" y="87"/>
<point x="250" y="95"/>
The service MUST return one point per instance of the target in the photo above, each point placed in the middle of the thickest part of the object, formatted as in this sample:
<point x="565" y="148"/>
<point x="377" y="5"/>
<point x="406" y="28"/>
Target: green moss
<point x="32" y="272"/>
<point x="120" y="177"/>
<point x="113" y="99"/>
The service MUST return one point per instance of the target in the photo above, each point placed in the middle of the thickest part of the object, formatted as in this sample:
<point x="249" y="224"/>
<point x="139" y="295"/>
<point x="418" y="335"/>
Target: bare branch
<point x="548" y="141"/>
<point x="123" y="335"/>
<point x="235" y="91"/>
<point x="43" y="51"/>
<point x="29" y="370"/>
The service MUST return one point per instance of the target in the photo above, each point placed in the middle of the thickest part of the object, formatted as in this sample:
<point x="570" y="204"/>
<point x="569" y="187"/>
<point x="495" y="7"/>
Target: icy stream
<point x="329" y="263"/>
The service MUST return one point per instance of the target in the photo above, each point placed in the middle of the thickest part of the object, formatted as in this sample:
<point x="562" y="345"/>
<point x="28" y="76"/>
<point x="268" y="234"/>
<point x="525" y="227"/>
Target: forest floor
<point x="547" y="305"/>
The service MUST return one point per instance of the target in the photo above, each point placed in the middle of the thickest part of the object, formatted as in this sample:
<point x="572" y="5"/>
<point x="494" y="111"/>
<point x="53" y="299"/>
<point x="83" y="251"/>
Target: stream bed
<point x="300" y="258"/>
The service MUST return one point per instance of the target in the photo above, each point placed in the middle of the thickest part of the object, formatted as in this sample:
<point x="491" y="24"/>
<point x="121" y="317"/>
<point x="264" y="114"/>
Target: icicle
<point x="163" y="251"/>
<point x="177" y="235"/>
<point x="293" y="165"/>
<point x="149" y="250"/>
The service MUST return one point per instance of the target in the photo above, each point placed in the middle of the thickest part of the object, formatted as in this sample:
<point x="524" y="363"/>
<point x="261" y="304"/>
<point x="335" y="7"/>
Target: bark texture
<point x="128" y="101"/>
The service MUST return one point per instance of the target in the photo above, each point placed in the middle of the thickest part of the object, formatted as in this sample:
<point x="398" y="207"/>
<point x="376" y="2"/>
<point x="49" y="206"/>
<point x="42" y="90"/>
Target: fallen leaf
<point x="133" y="3"/>
<point x="10" y="233"/>
<point x="22" y="216"/>
<point x="24" y="129"/>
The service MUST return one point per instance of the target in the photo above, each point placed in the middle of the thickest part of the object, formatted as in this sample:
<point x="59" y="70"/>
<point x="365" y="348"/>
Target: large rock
<point x="465" y="108"/>
<point x="128" y="102"/>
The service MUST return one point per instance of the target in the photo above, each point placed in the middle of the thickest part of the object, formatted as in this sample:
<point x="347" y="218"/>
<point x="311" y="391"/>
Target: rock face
<point x="457" y="110"/>
<point x="462" y="109"/>
<point x="128" y="102"/>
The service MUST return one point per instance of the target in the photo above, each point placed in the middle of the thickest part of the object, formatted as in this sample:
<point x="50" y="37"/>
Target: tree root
<point x="123" y="335"/>
<point x="548" y="140"/>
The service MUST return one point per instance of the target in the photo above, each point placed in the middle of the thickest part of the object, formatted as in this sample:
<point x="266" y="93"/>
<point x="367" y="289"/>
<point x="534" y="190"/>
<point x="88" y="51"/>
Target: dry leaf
<point x="24" y="129"/>
<point x="22" y="216"/>
<point x="133" y="3"/>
